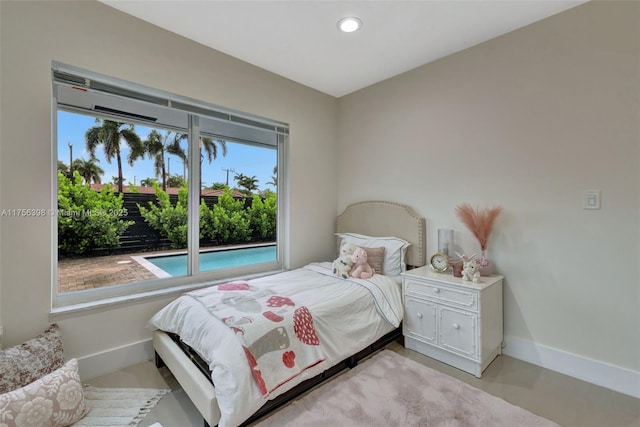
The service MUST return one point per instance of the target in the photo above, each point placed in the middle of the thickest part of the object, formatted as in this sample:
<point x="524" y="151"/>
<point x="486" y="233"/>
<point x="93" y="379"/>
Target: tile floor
<point x="565" y="400"/>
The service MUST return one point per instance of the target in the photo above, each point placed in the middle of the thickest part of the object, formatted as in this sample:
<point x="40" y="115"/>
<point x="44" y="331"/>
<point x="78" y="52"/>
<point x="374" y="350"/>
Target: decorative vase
<point x="445" y="240"/>
<point x="486" y="268"/>
<point x="456" y="265"/>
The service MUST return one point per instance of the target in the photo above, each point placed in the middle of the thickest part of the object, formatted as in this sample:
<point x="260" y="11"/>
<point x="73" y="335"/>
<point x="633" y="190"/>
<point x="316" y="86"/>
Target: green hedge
<point x="169" y="220"/>
<point x="88" y="219"/>
<point x="227" y="221"/>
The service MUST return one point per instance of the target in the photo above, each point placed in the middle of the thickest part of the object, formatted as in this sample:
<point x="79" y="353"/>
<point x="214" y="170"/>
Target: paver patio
<point x="77" y="274"/>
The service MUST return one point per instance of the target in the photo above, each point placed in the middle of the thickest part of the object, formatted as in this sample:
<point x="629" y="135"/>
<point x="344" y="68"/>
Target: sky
<point x="242" y="158"/>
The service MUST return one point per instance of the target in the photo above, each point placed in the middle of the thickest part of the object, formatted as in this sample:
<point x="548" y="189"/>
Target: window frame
<point x="196" y="111"/>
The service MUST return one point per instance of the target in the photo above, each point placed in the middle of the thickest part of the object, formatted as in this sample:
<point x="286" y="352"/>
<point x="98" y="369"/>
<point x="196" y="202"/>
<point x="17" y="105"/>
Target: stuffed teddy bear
<point x="471" y="271"/>
<point x="361" y="269"/>
<point x="342" y="265"/>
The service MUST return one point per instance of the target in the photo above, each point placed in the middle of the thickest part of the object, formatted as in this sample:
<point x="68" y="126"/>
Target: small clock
<point x="440" y="262"/>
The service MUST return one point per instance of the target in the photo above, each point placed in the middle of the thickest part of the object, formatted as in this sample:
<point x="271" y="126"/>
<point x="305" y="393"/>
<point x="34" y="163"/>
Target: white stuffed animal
<point x="342" y="266"/>
<point x="471" y="271"/>
<point x="361" y="269"/>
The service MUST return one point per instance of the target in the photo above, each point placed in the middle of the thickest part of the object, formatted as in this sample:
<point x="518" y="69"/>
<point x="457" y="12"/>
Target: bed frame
<point x="373" y="218"/>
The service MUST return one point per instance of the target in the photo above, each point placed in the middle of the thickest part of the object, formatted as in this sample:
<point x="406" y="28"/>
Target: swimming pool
<point x="176" y="265"/>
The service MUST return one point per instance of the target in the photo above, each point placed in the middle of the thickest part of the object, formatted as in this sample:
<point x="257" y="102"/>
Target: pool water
<point x="176" y="265"/>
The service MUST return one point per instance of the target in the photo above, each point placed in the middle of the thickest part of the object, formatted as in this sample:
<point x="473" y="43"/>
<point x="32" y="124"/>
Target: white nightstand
<point x="457" y="322"/>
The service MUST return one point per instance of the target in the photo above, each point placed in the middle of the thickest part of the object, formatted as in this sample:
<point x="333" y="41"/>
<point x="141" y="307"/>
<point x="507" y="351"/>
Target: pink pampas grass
<point x="478" y="221"/>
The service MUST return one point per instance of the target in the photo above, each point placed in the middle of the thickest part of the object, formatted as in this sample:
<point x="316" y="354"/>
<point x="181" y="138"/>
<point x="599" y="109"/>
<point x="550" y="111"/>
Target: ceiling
<point x="300" y="40"/>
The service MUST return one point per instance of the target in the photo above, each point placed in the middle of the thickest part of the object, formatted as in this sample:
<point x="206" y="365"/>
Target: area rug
<point x="122" y="407"/>
<point x="392" y="390"/>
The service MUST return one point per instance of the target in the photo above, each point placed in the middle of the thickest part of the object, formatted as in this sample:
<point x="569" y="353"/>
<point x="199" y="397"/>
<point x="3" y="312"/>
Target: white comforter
<point x="347" y="315"/>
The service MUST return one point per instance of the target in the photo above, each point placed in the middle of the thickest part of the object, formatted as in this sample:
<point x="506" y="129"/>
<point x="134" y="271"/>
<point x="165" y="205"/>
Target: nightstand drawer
<point x="442" y="294"/>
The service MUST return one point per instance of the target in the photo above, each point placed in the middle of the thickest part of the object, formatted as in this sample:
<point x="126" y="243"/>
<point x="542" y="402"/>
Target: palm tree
<point x="176" y="181"/>
<point x="157" y="145"/>
<point x="249" y="183"/>
<point x="62" y="167"/>
<point x="109" y="134"/>
<point x="239" y="177"/>
<point x="211" y="150"/>
<point x="148" y="182"/>
<point x="210" y="147"/>
<point x="217" y="186"/>
<point x="274" y="177"/>
<point x="88" y="170"/>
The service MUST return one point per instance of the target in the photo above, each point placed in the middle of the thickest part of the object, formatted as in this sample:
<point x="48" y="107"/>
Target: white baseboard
<point x="613" y="377"/>
<point x="114" y="359"/>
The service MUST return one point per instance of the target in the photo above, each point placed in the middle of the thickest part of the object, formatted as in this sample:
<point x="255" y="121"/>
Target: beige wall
<point x="98" y="38"/>
<point x="528" y="120"/>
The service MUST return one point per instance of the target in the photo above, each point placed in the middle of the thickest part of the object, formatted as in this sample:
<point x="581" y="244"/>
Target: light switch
<point x="591" y="199"/>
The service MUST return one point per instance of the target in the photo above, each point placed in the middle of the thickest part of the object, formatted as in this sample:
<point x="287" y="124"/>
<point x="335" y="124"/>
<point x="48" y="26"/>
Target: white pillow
<point x="394" y="252"/>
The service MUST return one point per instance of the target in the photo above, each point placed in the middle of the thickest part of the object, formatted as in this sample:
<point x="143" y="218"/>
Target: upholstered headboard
<point x="382" y="219"/>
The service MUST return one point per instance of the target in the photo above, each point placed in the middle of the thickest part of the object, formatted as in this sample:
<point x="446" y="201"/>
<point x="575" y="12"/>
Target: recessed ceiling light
<point x="350" y="24"/>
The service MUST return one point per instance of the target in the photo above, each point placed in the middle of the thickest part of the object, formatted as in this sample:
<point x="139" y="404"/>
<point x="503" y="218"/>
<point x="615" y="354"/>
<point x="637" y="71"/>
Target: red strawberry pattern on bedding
<point x="274" y="317"/>
<point x="303" y="326"/>
<point x="255" y="371"/>
<point x="265" y="323"/>
<point x="289" y="359"/>
<point x="234" y="286"/>
<point x="278" y="301"/>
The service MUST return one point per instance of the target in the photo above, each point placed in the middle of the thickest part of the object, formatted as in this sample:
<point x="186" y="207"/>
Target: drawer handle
<point x="419" y="315"/>
<point x="456" y="326"/>
<point x="436" y="290"/>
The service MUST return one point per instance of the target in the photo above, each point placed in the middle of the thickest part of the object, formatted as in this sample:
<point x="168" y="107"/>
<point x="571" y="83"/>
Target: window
<point x="156" y="191"/>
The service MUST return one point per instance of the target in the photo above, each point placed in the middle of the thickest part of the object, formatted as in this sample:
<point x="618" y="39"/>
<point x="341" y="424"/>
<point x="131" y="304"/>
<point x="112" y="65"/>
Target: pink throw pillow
<point x="55" y="400"/>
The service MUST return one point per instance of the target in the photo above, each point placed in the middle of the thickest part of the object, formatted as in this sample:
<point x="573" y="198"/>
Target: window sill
<point x="144" y="296"/>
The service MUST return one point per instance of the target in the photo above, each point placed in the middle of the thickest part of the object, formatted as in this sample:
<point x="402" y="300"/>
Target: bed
<point x="348" y="320"/>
